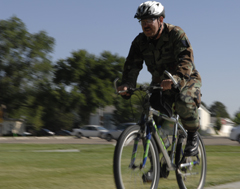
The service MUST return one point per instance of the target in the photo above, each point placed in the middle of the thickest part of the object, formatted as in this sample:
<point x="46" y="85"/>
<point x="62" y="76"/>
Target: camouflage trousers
<point x="186" y="103"/>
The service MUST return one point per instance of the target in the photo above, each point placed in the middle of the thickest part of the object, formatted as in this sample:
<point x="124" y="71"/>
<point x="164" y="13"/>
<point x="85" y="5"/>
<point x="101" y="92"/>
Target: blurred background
<point x="58" y="60"/>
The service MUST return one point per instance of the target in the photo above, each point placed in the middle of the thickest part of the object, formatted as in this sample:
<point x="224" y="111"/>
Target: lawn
<point x="72" y="166"/>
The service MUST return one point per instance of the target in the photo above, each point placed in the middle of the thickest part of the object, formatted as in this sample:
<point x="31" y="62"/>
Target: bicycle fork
<point x="134" y="152"/>
<point x="146" y="149"/>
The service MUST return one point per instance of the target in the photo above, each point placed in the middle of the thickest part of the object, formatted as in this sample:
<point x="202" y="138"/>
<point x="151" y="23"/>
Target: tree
<point x="91" y="78"/>
<point x="125" y="111"/>
<point x="59" y="112"/>
<point x="25" y="66"/>
<point x="218" y="109"/>
<point x="129" y="110"/>
<point x="237" y="117"/>
<point x="218" y="124"/>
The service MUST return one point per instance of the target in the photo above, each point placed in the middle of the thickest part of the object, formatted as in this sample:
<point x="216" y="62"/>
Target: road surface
<point x="73" y="140"/>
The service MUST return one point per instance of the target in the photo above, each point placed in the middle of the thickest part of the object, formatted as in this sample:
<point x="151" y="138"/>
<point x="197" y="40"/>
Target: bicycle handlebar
<point x="144" y="88"/>
<point x="115" y="84"/>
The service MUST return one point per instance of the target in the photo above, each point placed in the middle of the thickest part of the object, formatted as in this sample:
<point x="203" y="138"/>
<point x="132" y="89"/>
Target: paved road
<point x="73" y="140"/>
<point x="216" y="140"/>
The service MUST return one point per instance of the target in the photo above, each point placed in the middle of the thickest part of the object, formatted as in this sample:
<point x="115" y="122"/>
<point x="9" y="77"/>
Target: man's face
<point x="150" y="26"/>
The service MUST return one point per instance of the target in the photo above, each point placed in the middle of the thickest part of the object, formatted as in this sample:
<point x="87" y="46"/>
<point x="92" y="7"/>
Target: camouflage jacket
<point x="172" y="52"/>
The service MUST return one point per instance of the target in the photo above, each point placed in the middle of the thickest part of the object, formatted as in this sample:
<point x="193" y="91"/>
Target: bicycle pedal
<point x="148" y="177"/>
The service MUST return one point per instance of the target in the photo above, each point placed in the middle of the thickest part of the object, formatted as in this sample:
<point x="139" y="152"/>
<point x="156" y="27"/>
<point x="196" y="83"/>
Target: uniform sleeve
<point x="132" y="66"/>
<point x="183" y="53"/>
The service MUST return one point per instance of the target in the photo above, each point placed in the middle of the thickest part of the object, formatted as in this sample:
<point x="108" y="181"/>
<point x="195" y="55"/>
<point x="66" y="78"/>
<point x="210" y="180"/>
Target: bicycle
<point x="136" y="155"/>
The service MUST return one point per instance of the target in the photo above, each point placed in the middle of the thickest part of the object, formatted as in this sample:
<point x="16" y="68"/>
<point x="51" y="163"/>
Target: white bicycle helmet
<point x="150" y="9"/>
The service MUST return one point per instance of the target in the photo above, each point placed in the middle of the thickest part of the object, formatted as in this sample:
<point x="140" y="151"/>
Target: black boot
<point x="191" y="148"/>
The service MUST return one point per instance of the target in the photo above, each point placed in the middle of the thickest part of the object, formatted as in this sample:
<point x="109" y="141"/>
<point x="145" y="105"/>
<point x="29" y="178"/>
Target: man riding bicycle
<point x="166" y="47"/>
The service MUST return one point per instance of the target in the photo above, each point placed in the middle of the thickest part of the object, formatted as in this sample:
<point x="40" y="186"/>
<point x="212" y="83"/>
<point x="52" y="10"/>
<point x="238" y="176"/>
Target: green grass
<point x="23" y="166"/>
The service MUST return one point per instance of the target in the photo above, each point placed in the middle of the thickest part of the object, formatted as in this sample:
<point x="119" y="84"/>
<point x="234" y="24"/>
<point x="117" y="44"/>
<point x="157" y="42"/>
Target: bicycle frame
<point x="151" y="125"/>
<point x="174" y="119"/>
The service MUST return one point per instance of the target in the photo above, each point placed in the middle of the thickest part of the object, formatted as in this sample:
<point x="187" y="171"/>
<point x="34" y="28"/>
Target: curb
<point x="233" y="185"/>
<point x="45" y="137"/>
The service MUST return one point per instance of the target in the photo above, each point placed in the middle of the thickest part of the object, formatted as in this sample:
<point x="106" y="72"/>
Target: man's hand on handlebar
<point x="166" y="84"/>
<point x="123" y="88"/>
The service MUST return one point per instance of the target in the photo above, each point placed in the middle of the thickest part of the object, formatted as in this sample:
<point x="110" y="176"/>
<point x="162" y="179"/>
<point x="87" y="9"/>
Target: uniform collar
<point x="163" y="36"/>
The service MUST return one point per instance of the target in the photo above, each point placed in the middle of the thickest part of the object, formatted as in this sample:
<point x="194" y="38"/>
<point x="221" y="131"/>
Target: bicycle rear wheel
<point x="193" y="174"/>
<point x="133" y="177"/>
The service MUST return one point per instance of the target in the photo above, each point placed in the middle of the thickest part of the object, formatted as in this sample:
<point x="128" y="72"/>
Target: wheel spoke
<point x="133" y="176"/>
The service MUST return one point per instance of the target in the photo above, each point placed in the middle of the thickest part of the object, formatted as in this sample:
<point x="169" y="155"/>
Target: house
<point x="205" y="120"/>
<point x="226" y="127"/>
<point x="12" y="126"/>
<point x="103" y="116"/>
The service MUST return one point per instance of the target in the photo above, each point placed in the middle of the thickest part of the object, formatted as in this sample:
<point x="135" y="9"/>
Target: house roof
<point x="227" y="120"/>
<point x="109" y="109"/>
<point x="204" y="108"/>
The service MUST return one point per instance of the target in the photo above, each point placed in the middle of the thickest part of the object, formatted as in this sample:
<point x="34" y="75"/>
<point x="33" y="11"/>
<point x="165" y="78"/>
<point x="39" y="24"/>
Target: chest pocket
<point x="167" y="53"/>
<point x="164" y="51"/>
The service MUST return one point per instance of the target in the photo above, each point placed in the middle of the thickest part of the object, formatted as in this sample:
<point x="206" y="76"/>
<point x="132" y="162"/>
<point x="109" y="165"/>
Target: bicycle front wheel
<point x="191" y="173"/>
<point x="129" y="175"/>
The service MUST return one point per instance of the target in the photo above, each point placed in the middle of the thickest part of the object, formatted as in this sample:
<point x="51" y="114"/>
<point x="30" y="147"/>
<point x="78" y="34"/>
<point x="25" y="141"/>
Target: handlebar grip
<point x="129" y="90"/>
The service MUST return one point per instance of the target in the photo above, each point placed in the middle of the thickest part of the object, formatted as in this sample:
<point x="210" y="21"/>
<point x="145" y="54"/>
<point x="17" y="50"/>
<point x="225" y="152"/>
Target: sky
<point x="212" y="27"/>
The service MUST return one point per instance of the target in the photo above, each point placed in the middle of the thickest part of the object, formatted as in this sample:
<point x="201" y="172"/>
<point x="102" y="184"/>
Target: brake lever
<point x="115" y="85"/>
<point x="175" y="84"/>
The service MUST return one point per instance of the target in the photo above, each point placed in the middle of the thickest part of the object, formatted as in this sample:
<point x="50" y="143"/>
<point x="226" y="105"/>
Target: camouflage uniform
<point x="172" y="52"/>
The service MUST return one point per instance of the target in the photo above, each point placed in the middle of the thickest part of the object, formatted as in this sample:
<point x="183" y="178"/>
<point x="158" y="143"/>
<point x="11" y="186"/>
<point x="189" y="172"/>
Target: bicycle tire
<point x="196" y="179"/>
<point x="125" y="177"/>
